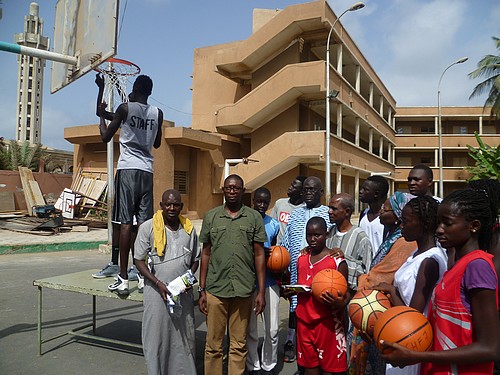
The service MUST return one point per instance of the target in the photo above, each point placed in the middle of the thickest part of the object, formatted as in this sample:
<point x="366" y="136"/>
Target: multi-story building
<point x="266" y="95"/>
<point x="30" y="83"/>
<point x="259" y="110"/>
<point x="417" y="141"/>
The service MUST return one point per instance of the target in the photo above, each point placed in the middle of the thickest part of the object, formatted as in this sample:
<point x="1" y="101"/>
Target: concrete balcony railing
<point x="271" y="98"/>
<point x="273" y="36"/>
<point x="305" y="148"/>
<point x="409" y="141"/>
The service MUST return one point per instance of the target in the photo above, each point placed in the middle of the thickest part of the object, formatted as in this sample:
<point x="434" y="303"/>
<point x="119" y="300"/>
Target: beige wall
<point x="51" y="185"/>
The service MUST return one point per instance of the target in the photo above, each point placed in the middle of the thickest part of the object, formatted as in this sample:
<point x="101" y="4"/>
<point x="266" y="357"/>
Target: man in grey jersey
<point x="140" y="125"/>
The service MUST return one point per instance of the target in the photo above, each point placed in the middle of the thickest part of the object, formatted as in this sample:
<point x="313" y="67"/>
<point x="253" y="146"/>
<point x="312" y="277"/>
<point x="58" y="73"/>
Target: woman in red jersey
<point x="463" y="310"/>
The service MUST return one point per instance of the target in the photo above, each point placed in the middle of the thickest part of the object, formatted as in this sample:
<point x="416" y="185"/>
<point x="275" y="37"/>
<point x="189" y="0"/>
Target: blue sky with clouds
<point x="408" y="42"/>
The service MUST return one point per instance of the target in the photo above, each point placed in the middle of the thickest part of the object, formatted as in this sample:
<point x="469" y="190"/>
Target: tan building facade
<point x="262" y="100"/>
<point x="417" y="141"/>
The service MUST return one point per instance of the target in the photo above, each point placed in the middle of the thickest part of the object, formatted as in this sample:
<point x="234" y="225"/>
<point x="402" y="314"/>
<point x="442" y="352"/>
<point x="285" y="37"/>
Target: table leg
<point x="93" y="314"/>
<point x="39" y="327"/>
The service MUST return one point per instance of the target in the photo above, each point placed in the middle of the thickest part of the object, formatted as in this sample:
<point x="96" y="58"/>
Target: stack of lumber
<point x="32" y="192"/>
<point x="8" y="207"/>
<point x="86" y="197"/>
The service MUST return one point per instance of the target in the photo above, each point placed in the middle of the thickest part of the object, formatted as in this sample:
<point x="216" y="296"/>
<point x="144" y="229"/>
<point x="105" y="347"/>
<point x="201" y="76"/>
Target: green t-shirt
<point x="231" y="269"/>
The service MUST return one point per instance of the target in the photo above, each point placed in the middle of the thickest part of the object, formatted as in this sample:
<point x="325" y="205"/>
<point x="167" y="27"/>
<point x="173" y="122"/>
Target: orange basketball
<point x="406" y="326"/>
<point x="328" y="280"/>
<point x="366" y="307"/>
<point x="278" y="260"/>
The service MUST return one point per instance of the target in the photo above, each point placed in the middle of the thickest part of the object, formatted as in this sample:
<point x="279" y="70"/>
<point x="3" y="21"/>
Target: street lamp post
<point x="353" y="7"/>
<point x="440" y="129"/>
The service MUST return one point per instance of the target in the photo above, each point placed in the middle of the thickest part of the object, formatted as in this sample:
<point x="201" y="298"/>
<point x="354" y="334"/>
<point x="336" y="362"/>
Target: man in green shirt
<point x="232" y="260"/>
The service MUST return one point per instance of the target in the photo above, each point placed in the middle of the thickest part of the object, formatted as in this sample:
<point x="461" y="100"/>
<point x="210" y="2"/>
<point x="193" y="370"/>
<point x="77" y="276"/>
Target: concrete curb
<point x="52" y="247"/>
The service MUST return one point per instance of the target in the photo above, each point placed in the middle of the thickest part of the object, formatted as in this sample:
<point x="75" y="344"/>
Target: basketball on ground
<point x="405" y="326"/>
<point x="328" y="280"/>
<point x="278" y="260"/>
<point x="366" y="307"/>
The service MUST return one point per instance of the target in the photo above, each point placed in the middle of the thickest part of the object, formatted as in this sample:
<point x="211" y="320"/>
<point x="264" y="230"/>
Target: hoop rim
<point x="135" y="69"/>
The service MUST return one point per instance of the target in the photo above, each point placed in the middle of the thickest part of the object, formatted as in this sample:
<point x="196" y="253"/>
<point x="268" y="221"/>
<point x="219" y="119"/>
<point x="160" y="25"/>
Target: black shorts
<point x="133" y="196"/>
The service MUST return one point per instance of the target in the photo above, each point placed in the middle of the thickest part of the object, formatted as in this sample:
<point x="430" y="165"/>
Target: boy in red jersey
<point x="321" y="345"/>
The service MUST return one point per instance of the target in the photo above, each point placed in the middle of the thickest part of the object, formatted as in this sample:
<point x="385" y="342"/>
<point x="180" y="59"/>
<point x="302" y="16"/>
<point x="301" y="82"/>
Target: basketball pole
<point x="110" y="168"/>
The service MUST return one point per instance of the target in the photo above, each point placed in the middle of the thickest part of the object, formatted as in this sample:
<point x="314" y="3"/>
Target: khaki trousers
<point x="222" y="312"/>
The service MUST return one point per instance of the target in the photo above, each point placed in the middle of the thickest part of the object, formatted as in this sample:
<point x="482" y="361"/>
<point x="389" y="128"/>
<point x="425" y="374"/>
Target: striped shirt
<point x="294" y="238"/>
<point x="357" y="249"/>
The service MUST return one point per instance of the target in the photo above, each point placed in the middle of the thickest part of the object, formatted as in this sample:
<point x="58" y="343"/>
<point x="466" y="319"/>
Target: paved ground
<point x="66" y="310"/>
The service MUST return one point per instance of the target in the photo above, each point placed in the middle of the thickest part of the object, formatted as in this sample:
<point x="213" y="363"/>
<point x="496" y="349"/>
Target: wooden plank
<point x="28" y="193"/>
<point x="97" y="190"/>
<point x="85" y="186"/>
<point x="7" y="201"/>
<point x="37" y="193"/>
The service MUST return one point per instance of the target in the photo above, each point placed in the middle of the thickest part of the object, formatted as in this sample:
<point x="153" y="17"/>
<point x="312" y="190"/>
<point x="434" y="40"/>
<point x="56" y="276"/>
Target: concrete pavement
<point x="63" y="311"/>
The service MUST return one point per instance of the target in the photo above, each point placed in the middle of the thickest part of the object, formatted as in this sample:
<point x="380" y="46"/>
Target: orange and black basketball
<point x="328" y="280"/>
<point x="278" y="259"/>
<point x="366" y="307"/>
<point x="406" y="326"/>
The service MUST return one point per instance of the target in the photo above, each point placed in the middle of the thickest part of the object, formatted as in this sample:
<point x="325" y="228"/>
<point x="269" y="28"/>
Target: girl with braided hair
<point x="463" y="309"/>
<point x="417" y="277"/>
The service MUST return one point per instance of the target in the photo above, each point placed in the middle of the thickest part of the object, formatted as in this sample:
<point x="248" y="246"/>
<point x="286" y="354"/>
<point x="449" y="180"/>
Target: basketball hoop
<point x="116" y="73"/>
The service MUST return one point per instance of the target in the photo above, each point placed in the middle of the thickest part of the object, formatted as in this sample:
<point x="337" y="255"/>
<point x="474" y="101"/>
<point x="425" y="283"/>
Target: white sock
<point x="290" y="335"/>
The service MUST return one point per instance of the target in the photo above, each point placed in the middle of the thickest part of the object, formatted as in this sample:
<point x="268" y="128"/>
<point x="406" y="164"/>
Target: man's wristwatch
<point x="200" y="289"/>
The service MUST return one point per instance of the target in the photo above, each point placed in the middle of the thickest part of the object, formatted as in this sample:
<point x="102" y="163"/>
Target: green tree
<point x="4" y="155"/>
<point x="489" y="67"/>
<point x="16" y="154"/>
<point x="487" y="161"/>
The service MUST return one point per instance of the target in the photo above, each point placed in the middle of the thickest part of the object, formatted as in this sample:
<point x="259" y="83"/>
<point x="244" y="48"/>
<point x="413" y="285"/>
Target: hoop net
<point x="116" y="73"/>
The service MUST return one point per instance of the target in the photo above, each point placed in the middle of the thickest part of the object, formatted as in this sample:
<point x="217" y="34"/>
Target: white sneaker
<point x="120" y="286"/>
<point x="140" y="283"/>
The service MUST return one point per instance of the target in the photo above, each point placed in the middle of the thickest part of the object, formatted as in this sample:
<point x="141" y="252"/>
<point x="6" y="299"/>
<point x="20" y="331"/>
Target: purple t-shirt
<point x="478" y="274"/>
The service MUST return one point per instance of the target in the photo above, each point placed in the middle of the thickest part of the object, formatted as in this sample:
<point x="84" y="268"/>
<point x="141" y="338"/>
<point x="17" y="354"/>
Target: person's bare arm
<point x="427" y="277"/>
<point x="339" y="301"/>
<point x="144" y="270"/>
<point x="483" y="349"/>
<point x="391" y="292"/>
<point x="260" y="269"/>
<point x="99" y="81"/>
<point x="107" y="132"/>
<point x="157" y="142"/>
<point x="205" y="258"/>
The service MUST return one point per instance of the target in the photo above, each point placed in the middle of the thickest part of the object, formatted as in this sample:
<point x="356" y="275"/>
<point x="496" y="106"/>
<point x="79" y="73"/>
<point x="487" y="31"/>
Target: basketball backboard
<point x="86" y="29"/>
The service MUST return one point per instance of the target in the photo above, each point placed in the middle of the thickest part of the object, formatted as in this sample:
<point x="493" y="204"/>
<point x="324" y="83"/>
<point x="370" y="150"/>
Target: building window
<point x="427" y="130"/>
<point x="425" y="160"/>
<point x="181" y="182"/>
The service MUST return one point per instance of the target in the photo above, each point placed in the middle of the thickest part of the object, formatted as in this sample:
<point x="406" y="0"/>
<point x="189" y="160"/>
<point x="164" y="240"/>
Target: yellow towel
<point x="159" y="230"/>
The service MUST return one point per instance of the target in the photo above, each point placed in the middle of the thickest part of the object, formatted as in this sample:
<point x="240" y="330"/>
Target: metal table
<point x="84" y="283"/>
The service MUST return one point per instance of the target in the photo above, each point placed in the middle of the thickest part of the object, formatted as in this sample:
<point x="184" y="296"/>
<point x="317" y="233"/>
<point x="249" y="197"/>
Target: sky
<point x="409" y="43"/>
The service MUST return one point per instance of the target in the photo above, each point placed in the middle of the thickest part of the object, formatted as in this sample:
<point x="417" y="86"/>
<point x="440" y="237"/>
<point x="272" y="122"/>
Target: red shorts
<point x="322" y="344"/>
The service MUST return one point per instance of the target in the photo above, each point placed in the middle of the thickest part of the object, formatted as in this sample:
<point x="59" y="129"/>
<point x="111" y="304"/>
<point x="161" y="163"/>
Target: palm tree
<point x="489" y="67"/>
<point x="18" y="154"/>
<point x="4" y="155"/>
